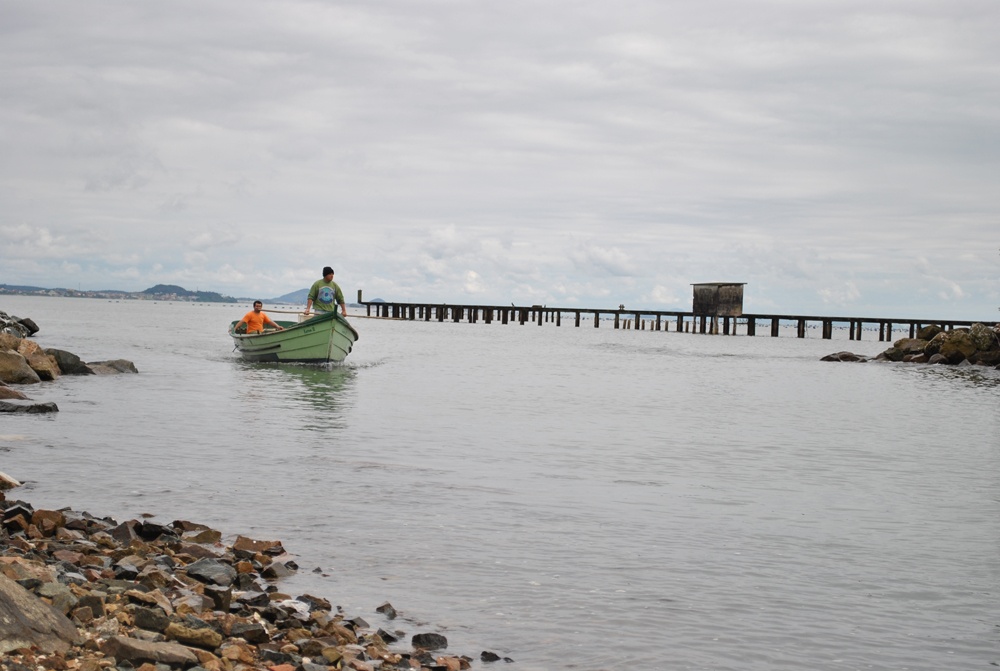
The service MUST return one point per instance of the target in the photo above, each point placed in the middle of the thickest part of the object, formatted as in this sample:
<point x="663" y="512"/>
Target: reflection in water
<point x="320" y="394"/>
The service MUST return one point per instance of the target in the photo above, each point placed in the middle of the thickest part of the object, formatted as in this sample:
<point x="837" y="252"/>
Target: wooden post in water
<point x="577" y="319"/>
<point x="616" y="319"/>
<point x="751" y="326"/>
<point x="801" y="330"/>
<point x="597" y="320"/>
<point x="775" y="325"/>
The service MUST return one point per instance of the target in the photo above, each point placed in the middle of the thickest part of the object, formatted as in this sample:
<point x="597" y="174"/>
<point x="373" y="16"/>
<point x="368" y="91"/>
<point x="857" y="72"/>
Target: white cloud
<point x="824" y="152"/>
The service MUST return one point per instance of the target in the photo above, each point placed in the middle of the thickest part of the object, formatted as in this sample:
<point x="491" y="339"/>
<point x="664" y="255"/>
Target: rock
<point x="928" y="332"/>
<point x="30" y="409"/>
<point x="112" y="367"/>
<point x="958" y="346"/>
<point x="26" y="621"/>
<point x="45" y="366"/>
<point x="9" y="341"/>
<point x="69" y="363"/>
<point x="201" y="637"/>
<point x="12" y="325"/>
<point x="251" y="547"/>
<point x="429" y="641"/>
<point x="7" y="482"/>
<point x="990" y="358"/>
<point x="910" y="345"/>
<point x="938" y="358"/>
<point x="29" y="324"/>
<point x="387" y="610"/>
<point x="150" y="619"/>
<point x="487" y="656"/>
<point x="984" y="337"/>
<point x="14" y="369"/>
<point x="843" y="356"/>
<point x="893" y="354"/>
<point x="125" y="649"/>
<point x="212" y="571"/>
<point x="8" y="393"/>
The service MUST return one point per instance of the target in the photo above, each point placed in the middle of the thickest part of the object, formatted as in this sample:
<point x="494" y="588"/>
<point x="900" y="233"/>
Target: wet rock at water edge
<point x="69" y="363"/>
<point x="31" y="409"/>
<point x="112" y="367"/>
<point x="844" y="356"/>
<point x="6" y="393"/>
<point x="14" y="369"/>
<point x="387" y="610"/>
<point x="429" y="641"/>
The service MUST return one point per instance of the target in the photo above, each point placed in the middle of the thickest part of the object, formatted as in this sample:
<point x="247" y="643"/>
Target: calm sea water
<point x="571" y="498"/>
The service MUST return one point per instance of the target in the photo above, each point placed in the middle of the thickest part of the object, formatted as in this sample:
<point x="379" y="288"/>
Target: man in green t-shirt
<point x="326" y="295"/>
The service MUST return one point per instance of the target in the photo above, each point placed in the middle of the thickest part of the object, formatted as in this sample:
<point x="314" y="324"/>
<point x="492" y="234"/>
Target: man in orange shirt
<point x="256" y="319"/>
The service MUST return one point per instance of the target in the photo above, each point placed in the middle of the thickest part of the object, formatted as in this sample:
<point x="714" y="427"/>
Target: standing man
<point x="256" y="319"/>
<point x="326" y="295"/>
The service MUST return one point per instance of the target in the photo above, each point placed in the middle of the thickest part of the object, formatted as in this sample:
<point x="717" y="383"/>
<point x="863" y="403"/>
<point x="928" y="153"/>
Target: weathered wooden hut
<point x="718" y="299"/>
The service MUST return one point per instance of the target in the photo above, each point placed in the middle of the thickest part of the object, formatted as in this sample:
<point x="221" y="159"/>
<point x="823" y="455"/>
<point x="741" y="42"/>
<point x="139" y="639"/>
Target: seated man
<point x="256" y="320"/>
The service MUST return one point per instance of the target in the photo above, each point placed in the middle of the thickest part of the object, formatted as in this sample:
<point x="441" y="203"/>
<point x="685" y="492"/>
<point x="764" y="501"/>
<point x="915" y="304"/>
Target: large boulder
<point x="69" y="363"/>
<point x="984" y="337"/>
<point x="26" y="621"/>
<point x="13" y="326"/>
<point x="910" y="345"/>
<point x="8" y="341"/>
<point x="958" y="346"/>
<point x="46" y="366"/>
<point x="14" y="369"/>
<point x="928" y="332"/>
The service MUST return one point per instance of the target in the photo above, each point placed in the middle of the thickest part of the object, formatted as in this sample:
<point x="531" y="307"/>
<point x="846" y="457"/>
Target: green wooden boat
<point x="325" y="338"/>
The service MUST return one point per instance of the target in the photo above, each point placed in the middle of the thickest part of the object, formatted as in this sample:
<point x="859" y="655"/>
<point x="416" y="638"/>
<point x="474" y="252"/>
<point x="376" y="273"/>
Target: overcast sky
<point x="840" y="157"/>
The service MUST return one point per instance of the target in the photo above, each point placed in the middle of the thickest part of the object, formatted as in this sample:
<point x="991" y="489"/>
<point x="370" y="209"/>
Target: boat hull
<point x="326" y="338"/>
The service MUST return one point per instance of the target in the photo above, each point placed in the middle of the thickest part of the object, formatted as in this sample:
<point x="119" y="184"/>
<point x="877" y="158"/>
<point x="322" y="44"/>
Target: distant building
<point x="718" y="299"/>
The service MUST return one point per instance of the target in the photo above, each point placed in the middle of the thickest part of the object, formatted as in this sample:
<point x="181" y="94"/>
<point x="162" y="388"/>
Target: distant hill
<point x="181" y="292"/>
<point x="295" y="297"/>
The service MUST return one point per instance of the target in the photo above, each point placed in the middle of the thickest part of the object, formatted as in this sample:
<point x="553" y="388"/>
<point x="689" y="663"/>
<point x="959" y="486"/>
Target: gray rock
<point x="212" y="571"/>
<point x="26" y="621"/>
<point x="31" y="408"/>
<point x="29" y="324"/>
<point x="69" y="363"/>
<point x="928" y="332"/>
<point x="429" y="641"/>
<point x="843" y="356"/>
<point x="151" y="619"/>
<point x="112" y="367"/>
<point x="125" y="649"/>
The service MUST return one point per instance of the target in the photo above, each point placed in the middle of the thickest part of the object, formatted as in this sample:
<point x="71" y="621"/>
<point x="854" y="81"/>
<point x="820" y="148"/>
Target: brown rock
<point x="14" y="369"/>
<point x="244" y="544"/>
<point x="202" y="637"/>
<point x="8" y="393"/>
<point x="44" y="365"/>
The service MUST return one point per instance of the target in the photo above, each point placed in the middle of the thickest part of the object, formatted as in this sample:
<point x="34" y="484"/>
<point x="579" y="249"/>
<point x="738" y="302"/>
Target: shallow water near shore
<point x="568" y="497"/>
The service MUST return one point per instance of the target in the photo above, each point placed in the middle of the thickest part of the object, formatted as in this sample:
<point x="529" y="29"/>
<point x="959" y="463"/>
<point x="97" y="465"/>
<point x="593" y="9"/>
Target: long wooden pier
<point x="655" y="320"/>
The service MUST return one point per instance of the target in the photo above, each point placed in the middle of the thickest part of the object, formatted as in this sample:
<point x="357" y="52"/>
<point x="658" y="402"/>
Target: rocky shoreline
<point x="978" y="345"/>
<point x="83" y="593"/>
<point x="23" y="362"/>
